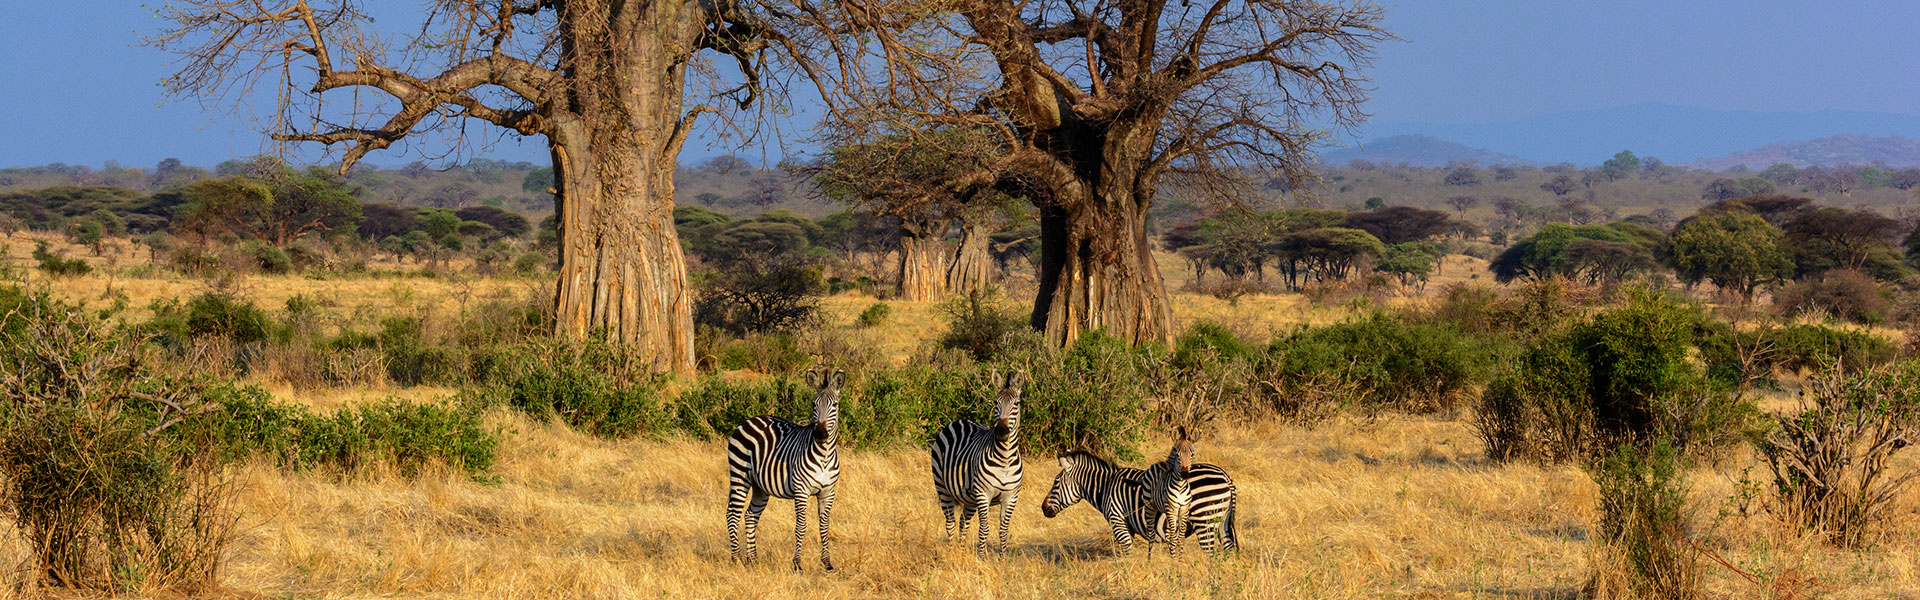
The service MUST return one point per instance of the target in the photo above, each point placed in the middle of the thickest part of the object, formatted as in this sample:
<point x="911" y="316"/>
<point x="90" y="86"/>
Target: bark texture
<point x="923" y="262"/>
<point x="972" y="266"/>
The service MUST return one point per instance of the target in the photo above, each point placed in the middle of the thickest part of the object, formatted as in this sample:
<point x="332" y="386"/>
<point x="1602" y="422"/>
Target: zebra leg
<point x="737" y="493"/>
<point x="826" y="516"/>
<point x="1121" y="537"/>
<point x="799" y="528"/>
<point x="982" y="507"/>
<point x="1006" y="517"/>
<point x="754" y="508"/>
<point x="966" y="516"/>
<point x="947" y="507"/>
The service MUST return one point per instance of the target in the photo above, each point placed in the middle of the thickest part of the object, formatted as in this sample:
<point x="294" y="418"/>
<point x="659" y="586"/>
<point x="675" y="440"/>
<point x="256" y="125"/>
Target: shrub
<point x="909" y="405"/>
<point x="1849" y="295"/>
<point x="979" y="325"/>
<point x="765" y="353"/>
<point x="267" y="257"/>
<point x="530" y="263"/>
<point x="103" y="500"/>
<point x="1642" y="549"/>
<point x="717" y="405"/>
<point x="1830" y="460"/>
<point x="1383" y="362"/>
<point x="746" y="301"/>
<point x="1090" y="396"/>
<point x="1622" y="376"/>
<point x="1210" y="338"/>
<point x="55" y="263"/>
<point x="591" y="388"/>
<point x="211" y="314"/>
<point x="408" y="436"/>
<point x="410" y="359"/>
<point x="1734" y="357"/>
<point x="875" y="314"/>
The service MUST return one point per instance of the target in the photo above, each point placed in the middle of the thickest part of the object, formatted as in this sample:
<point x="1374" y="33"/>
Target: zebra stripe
<point x="976" y="466"/>
<point x="1210" y="508"/>
<point x="771" y="457"/>
<point x="1124" y="496"/>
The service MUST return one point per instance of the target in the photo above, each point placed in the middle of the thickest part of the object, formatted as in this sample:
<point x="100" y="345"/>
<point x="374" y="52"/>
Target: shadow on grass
<point x="1061" y="553"/>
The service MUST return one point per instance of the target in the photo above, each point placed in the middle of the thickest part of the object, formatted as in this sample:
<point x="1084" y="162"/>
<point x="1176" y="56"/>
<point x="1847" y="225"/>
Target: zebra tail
<point x="1233" y="532"/>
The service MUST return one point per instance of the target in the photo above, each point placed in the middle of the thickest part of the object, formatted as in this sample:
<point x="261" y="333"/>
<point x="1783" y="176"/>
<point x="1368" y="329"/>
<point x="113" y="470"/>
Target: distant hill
<point x="1419" y="151"/>
<point x="1676" y="134"/>
<point x="1894" y="151"/>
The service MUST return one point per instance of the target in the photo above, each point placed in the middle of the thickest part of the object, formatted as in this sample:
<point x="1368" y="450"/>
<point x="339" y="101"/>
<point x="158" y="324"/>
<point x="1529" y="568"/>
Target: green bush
<point x="908" y="405"/>
<point x="764" y="353"/>
<point x="584" y="387"/>
<point x="980" y="326"/>
<point x="1091" y="396"/>
<point x="875" y="314"/>
<point x="1385" y="363"/>
<point x="712" y="409"/>
<point x="213" y="314"/>
<point x="1793" y="348"/>
<point x="1623" y="376"/>
<point x="269" y="258"/>
<point x="55" y="263"/>
<point x="406" y="435"/>
<point x="410" y="360"/>
<point x="1207" y="338"/>
<point x="1642" y="550"/>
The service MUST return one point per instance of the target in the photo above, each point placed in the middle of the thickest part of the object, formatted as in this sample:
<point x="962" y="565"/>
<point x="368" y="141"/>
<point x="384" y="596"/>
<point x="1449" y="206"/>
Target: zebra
<point x="771" y="457"/>
<point x="1174" y="495"/>
<point x="976" y="466"/>
<point x="1125" y="496"/>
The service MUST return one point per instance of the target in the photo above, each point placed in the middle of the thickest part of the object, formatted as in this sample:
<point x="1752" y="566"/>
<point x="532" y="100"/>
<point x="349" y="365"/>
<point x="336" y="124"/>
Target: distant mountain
<point x="1419" y="151"/>
<point x="1675" y="134"/>
<point x="1893" y="151"/>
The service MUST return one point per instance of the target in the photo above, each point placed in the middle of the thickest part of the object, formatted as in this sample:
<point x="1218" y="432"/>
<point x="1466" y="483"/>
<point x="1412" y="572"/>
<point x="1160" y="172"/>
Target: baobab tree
<point x="606" y="83"/>
<point x="1096" y="103"/>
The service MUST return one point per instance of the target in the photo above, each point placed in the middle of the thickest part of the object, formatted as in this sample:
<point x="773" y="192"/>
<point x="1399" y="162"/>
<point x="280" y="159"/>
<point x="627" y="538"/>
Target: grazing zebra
<point x="770" y="457"/>
<point x="976" y="466"/>
<point x="1126" y="497"/>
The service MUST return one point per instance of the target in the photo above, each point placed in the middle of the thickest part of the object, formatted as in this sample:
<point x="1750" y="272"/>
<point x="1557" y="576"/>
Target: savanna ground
<point x="1390" y="506"/>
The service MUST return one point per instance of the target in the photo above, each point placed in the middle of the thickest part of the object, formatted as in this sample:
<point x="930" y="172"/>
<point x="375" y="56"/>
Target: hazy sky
<point x="78" y="88"/>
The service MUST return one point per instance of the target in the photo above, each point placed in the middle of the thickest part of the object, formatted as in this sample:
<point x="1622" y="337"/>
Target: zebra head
<point x="826" y="401"/>
<point x="1006" y="407"/>
<point x="1077" y="471"/>
<point x="1172" y="494"/>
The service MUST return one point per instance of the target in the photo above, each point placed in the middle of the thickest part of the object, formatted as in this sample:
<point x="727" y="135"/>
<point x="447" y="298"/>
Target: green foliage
<point x="57" y="264"/>
<point x="1830" y="459"/>
<point x="411" y="360"/>
<point x="1090" y="396"/>
<point x="1546" y="252"/>
<point x="1735" y="250"/>
<point x="717" y="405"/>
<point x="1622" y="376"/>
<point x="269" y="258"/>
<point x="981" y="326"/>
<point x="875" y="315"/>
<point x="764" y="353"/>
<point x="209" y="314"/>
<point x="1792" y="348"/>
<point x="408" y="436"/>
<point x="1642" y="537"/>
<point x="590" y="388"/>
<point x="1381" y="363"/>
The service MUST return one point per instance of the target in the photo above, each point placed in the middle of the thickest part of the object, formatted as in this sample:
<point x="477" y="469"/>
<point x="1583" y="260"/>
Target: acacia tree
<point x="1095" y="103"/>
<point x="927" y="182"/>
<point x="604" y="81"/>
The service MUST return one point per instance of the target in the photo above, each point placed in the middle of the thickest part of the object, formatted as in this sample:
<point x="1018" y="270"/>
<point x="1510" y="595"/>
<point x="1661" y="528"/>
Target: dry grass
<point x="1388" y="508"/>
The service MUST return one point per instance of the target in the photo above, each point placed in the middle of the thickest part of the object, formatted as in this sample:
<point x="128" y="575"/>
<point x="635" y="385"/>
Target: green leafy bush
<point x="408" y="436"/>
<point x="875" y="314"/>
<point x="1623" y="376"/>
<point x="57" y="264"/>
<point x="267" y="257"/>
<point x="1642" y="550"/>
<point x="1383" y="362"/>
<point x="765" y="353"/>
<point x="980" y="326"/>
<point x="591" y="388"/>
<point x="1757" y="354"/>
<point x="712" y="409"/>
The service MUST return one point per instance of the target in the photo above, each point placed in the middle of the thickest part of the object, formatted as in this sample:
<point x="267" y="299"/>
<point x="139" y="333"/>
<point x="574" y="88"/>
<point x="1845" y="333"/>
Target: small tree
<point x="1462" y="204"/>
<point x="1830" y="460"/>
<point x="1737" y="251"/>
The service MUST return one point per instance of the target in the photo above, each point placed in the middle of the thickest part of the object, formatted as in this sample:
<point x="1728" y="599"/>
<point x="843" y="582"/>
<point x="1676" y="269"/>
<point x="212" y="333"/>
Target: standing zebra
<point x="1204" y="491"/>
<point x="976" y="466"/>
<point x="771" y="457"/>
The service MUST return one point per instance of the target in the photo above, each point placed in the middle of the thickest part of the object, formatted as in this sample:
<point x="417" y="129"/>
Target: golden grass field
<point x="1393" y="507"/>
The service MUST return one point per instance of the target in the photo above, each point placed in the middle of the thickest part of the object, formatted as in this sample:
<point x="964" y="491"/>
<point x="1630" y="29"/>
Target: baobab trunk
<point x="972" y="265"/>
<point x="1097" y="272"/>
<point x="621" y="270"/>
<point x="923" y="261"/>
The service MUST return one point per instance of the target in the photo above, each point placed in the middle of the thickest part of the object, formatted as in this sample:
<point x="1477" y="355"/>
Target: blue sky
<point x="79" y="88"/>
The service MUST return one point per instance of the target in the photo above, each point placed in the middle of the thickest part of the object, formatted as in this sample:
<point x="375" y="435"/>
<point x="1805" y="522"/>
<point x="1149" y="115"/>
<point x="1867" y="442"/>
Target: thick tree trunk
<point x="621" y="269"/>
<point x="1097" y="272"/>
<point x="923" y="262"/>
<point x="972" y="266"/>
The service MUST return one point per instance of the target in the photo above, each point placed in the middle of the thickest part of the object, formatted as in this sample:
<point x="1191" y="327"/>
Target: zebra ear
<point x="813" y="378"/>
<point x="1017" y="379"/>
<point x="839" y="378"/>
<point x="993" y="378"/>
<point x="1183" y="433"/>
<point x="1064" y="462"/>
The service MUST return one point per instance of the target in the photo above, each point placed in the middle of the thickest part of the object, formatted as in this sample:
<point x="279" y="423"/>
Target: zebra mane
<point x="1083" y="457"/>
